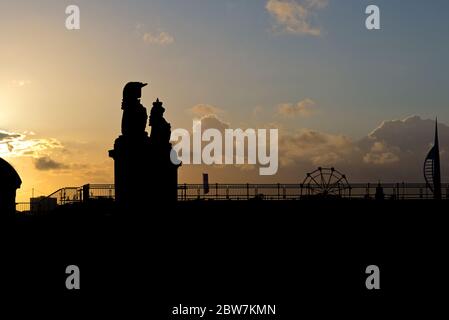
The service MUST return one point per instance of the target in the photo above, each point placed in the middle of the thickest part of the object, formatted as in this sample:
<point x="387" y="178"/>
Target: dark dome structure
<point x="9" y="183"/>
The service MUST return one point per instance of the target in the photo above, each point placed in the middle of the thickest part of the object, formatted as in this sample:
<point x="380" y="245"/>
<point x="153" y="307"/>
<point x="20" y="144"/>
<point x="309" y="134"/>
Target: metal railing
<point x="23" y="207"/>
<point x="67" y="195"/>
<point x="397" y="191"/>
<point x="247" y="191"/>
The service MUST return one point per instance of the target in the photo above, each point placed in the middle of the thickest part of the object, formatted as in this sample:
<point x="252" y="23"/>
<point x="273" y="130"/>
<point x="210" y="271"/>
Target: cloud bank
<point x="392" y="152"/>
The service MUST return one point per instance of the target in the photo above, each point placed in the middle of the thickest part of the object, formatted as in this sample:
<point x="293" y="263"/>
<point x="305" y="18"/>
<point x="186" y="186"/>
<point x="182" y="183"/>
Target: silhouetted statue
<point x="9" y="183"/>
<point x="135" y="115"/>
<point x="160" y="128"/>
<point x="143" y="170"/>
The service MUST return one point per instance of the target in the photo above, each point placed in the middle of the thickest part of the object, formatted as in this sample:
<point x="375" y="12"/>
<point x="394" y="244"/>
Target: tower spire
<point x="436" y="134"/>
<point x="432" y="170"/>
<point x="436" y="165"/>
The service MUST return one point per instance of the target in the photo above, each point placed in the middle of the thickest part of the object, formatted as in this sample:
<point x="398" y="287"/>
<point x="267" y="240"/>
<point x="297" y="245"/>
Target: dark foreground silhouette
<point x="294" y="253"/>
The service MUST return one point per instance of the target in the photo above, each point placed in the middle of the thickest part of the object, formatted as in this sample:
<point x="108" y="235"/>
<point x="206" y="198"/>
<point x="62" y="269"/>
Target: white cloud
<point x="159" y="38"/>
<point x="20" y="144"/>
<point x="202" y="110"/>
<point x="304" y="108"/>
<point x="380" y="154"/>
<point x="213" y="122"/>
<point x="315" y="147"/>
<point x="295" y="17"/>
<point x="408" y="134"/>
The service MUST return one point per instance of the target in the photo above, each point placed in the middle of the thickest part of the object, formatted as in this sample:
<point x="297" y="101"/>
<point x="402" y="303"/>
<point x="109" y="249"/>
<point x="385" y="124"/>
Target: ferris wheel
<point x="326" y="183"/>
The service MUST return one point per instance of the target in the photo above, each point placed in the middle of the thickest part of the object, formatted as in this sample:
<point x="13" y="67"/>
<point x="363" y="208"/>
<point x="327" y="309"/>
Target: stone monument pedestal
<point x="142" y="173"/>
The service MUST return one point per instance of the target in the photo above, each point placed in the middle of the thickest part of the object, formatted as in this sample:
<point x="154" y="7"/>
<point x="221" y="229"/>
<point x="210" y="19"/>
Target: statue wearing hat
<point x="135" y="115"/>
